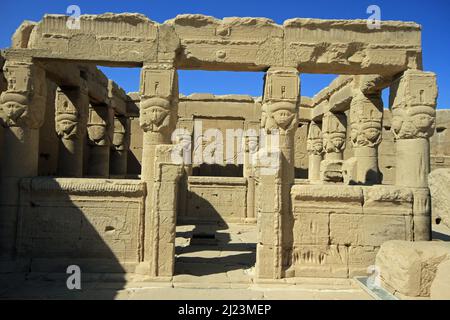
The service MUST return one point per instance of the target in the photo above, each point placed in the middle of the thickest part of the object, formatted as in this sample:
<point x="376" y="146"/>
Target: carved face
<point x="66" y="128"/>
<point x="338" y="142"/>
<point x="12" y="111"/>
<point x="423" y="121"/>
<point x="98" y="134"/>
<point x="252" y="144"/>
<point x="119" y="140"/>
<point x="372" y="134"/>
<point x="155" y="115"/>
<point x="317" y="146"/>
<point x="283" y="118"/>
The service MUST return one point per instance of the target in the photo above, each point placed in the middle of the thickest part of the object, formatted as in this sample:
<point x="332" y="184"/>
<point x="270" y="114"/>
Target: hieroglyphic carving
<point x="413" y="103"/>
<point x="159" y="98"/>
<point x="23" y="102"/>
<point x="281" y="94"/>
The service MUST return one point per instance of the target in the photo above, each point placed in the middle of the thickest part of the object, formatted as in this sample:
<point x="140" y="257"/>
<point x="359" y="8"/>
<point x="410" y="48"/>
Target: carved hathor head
<point x="413" y="122"/>
<point x="120" y="137"/>
<point x="13" y="108"/>
<point x="155" y="115"/>
<point x="315" y="142"/>
<point x="279" y="116"/>
<point x="98" y="127"/>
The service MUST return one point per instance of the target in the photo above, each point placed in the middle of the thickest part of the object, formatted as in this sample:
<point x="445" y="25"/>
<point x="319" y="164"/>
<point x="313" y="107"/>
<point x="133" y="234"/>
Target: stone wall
<point x="95" y="224"/>
<point x="338" y="231"/>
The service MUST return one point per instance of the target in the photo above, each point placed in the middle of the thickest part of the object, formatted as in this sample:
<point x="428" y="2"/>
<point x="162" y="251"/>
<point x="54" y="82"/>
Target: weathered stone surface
<point x="440" y="288"/>
<point x="439" y="181"/>
<point x="22" y="35"/>
<point x="409" y="268"/>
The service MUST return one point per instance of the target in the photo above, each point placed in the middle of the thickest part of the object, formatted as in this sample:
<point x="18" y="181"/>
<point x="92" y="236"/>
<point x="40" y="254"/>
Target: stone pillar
<point x="334" y="129"/>
<point x="120" y="146"/>
<point x="315" y="151"/>
<point x="158" y="116"/>
<point x="279" y="119"/>
<point x="413" y="102"/>
<point x="366" y="116"/>
<point x="22" y="113"/>
<point x="250" y="150"/>
<point x="100" y="131"/>
<point x="71" y="108"/>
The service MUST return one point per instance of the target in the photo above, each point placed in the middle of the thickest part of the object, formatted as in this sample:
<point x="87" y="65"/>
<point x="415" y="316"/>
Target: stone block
<point x="368" y="230"/>
<point x="387" y="200"/>
<point x="331" y="171"/>
<point x="440" y="288"/>
<point x="439" y="182"/>
<point x="312" y="229"/>
<point x="327" y="199"/>
<point x="410" y="267"/>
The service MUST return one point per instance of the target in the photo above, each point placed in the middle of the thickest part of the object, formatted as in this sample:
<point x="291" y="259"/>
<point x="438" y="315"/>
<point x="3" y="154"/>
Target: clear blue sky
<point x="432" y="14"/>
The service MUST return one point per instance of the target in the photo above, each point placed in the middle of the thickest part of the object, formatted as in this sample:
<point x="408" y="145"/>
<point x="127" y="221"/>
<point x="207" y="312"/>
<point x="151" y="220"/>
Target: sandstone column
<point x="71" y="109"/>
<point x="413" y="103"/>
<point x="158" y="115"/>
<point x="334" y="129"/>
<point x="22" y="112"/>
<point x="120" y="146"/>
<point x="315" y="151"/>
<point x="366" y="115"/>
<point x="99" y="129"/>
<point x="279" y="119"/>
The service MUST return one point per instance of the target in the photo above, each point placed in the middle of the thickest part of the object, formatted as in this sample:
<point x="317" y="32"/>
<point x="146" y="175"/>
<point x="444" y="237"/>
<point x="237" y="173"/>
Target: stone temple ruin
<point x="88" y="178"/>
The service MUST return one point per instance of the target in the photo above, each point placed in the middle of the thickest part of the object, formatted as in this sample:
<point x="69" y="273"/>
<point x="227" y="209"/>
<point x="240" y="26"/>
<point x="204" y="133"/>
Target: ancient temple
<point x="88" y="174"/>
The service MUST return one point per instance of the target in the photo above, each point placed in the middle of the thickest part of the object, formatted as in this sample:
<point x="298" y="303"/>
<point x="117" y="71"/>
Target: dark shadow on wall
<point x="56" y="232"/>
<point x="215" y="170"/>
<point x="201" y="253"/>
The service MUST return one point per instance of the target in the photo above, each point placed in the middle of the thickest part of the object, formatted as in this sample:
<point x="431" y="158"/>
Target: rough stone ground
<point x="203" y="271"/>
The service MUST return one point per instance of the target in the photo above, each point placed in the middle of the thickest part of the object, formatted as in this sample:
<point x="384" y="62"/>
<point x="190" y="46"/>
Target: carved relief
<point x="279" y="116"/>
<point x="121" y="133"/>
<point x="413" y="103"/>
<point x="23" y="103"/>
<point x="98" y="126"/>
<point x="366" y="115"/>
<point x="334" y="132"/>
<point x="315" y="142"/>
<point x="155" y="115"/>
<point x="66" y="120"/>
